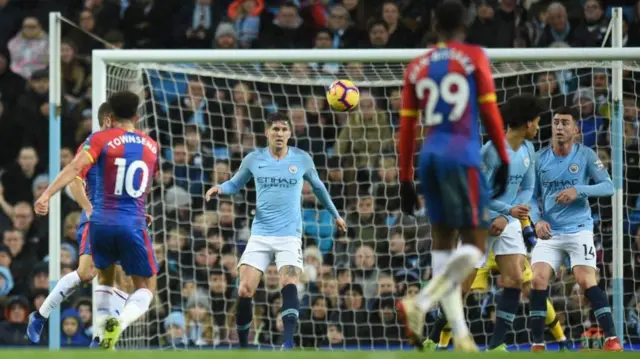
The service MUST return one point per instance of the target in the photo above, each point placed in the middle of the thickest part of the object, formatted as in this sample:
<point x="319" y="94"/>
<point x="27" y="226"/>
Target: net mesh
<point x="206" y="117"/>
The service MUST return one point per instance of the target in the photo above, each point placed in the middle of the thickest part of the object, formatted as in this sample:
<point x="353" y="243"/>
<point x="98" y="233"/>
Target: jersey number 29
<point x="126" y="174"/>
<point x="458" y="98"/>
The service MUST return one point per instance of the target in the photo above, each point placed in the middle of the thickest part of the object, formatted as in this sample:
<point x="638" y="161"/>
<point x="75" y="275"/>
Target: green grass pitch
<point x="235" y="354"/>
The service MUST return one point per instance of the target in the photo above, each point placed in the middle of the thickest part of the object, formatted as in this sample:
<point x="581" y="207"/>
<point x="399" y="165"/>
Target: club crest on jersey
<point x="527" y="162"/>
<point x="293" y="169"/>
<point x="599" y="164"/>
<point x="574" y="168"/>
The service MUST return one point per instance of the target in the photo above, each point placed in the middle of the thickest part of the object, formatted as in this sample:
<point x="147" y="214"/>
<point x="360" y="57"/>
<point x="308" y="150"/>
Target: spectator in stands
<point x="559" y="29"/>
<point x="84" y="43"/>
<point x="400" y="35"/>
<point x="365" y="271"/>
<point x="6" y="278"/>
<point x="386" y="187"/>
<point x="592" y="126"/>
<point x="219" y="295"/>
<point x="197" y="23"/>
<point x="145" y="25"/>
<point x="487" y="29"/>
<point x="323" y="40"/>
<point x="11" y="84"/>
<point x="10" y="17"/>
<point x="345" y="35"/>
<point x="368" y="226"/>
<point x="313" y="328"/>
<point x="246" y="16"/>
<point x="226" y="36"/>
<point x="288" y="30"/>
<point x="378" y="35"/>
<point x="547" y="89"/>
<point x="13" y="327"/>
<point x="352" y="313"/>
<point x="33" y="107"/>
<point x="175" y="329"/>
<point x="317" y="222"/>
<point x="72" y="331"/>
<point x="74" y="72"/>
<point x="6" y="212"/>
<point x="383" y="327"/>
<point x="595" y="20"/>
<point x="22" y="259"/>
<point x="29" y="48"/>
<point x="386" y="288"/>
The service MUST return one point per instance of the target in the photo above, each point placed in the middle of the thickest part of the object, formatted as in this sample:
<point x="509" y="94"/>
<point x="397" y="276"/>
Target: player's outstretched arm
<point x="236" y="183"/>
<point x="80" y="195"/>
<point x="490" y="162"/>
<point x="323" y="195"/>
<point x="528" y="183"/>
<point x="603" y="187"/>
<point x="68" y="174"/>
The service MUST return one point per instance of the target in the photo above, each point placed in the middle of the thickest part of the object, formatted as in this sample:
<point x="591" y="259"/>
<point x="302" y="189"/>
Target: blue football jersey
<point x="521" y="177"/>
<point x="582" y="170"/>
<point x="279" y="190"/>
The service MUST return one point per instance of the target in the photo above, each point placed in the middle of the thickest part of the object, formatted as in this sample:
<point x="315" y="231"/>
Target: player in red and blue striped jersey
<point x="452" y="84"/>
<point x="126" y="162"/>
<point x="85" y="273"/>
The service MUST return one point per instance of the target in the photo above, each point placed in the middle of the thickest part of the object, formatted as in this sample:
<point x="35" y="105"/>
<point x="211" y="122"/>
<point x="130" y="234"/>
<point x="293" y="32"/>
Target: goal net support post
<point x="114" y="70"/>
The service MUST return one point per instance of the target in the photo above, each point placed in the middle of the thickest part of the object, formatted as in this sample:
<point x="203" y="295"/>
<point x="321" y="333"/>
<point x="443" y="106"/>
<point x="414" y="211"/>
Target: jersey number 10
<point x="459" y="98"/>
<point x="125" y="176"/>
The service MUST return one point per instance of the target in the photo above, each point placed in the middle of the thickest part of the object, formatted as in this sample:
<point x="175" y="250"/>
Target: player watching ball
<point x="564" y="225"/>
<point x="83" y="191"/>
<point x="126" y="162"/>
<point x="278" y="171"/>
<point x="452" y="82"/>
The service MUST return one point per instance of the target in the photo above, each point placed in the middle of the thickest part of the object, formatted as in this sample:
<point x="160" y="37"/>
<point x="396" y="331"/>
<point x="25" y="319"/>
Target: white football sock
<point x="439" y="259"/>
<point x="137" y="304"/>
<point x="462" y="262"/>
<point x="453" y="308"/>
<point x="118" y="301"/>
<point x="103" y="295"/>
<point x="65" y="286"/>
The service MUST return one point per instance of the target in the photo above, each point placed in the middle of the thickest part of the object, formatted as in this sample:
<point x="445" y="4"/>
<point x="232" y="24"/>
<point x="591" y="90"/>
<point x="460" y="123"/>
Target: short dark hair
<point x="103" y="111"/>
<point x="124" y="105"/>
<point x="450" y="16"/>
<point x="289" y="4"/>
<point x="278" y="117"/>
<point x="521" y="109"/>
<point x="566" y="110"/>
<point x="377" y="22"/>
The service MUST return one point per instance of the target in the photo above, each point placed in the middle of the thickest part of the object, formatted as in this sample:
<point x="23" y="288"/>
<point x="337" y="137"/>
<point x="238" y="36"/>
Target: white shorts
<point x="578" y="246"/>
<point x="510" y="241"/>
<point x="262" y="250"/>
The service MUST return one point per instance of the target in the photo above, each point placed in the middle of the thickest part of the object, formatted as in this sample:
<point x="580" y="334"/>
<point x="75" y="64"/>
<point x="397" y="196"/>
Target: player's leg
<point x="255" y="259"/>
<point x="288" y="257"/>
<point x="546" y="258"/>
<point x="510" y="254"/>
<point x="551" y="320"/>
<point x="583" y="260"/>
<point x="123" y="287"/>
<point x="65" y="286"/>
<point x="135" y="253"/>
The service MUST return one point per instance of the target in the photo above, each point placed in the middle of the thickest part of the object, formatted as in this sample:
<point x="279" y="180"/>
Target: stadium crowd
<point x="206" y="124"/>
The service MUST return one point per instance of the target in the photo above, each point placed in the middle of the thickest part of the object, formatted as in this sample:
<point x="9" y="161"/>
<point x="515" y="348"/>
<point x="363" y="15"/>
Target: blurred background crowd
<point x="206" y="124"/>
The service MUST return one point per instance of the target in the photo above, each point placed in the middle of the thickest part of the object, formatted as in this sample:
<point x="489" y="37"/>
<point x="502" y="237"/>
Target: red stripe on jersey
<point x="150" y="255"/>
<point x="110" y="174"/>
<point x="474" y="194"/>
<point x="83" y="241"/>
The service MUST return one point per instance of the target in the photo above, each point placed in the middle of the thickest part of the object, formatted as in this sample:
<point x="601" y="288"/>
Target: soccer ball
<point x="343" y="95"/>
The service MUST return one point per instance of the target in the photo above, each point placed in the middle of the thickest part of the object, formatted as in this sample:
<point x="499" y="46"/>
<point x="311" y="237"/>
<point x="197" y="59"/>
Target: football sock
<point x="438" y="325"/>
<point x="537" y="314"/>
<point x="439" y="259"/>
<point x="290" y="305"/>
<point x="601" y="309"/>
<point x="553" y="324"/>
<point x="453" y="308"/>
<point x="102" y="295"/>
<point x="445" y="336"/>
<point x="65" y="286"/>
<point x="118" y="301"/>
<point x="505" y="314"/>
<point x="137" y="304"/>
<point x="244" y="316"/>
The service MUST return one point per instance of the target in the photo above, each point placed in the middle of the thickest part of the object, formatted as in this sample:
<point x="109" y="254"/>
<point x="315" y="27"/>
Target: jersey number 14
<point x="126" y="175"/>
<point x="453" y="89"/>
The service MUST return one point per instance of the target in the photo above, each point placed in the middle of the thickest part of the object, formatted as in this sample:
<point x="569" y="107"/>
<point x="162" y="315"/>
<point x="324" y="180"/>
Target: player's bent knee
<point x="512" y="280"/>
<point x="144" y="282"/>
<point x="585" y="276"/>
<point x="289" y="275"/>
<point x="540" y="281"/>
<point x="86" y="270"/>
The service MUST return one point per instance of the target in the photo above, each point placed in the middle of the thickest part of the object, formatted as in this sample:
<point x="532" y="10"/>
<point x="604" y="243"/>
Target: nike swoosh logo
<point x="262" y="166"/>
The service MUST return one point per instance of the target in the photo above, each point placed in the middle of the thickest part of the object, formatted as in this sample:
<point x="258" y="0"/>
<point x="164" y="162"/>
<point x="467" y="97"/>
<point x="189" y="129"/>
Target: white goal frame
<point x="101" y="58"/>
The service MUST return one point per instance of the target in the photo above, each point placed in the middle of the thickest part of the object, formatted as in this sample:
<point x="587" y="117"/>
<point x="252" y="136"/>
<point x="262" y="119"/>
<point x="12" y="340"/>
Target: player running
<point x="126" y="162"/>
<point x="564" y="225"/>
<point x="278" y="172"/>
<point x="85" y="273"/>
<point x="452" y="82"/>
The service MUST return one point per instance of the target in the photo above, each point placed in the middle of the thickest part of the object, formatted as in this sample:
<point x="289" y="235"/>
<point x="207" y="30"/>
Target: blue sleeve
<point x="603" y="186"/>
<point x="528" y="182"/>
<point x="490" y="163"/>
<point x="311" y="176"/>
<point x="240" y="179"/>
<point x="535" y="210"/>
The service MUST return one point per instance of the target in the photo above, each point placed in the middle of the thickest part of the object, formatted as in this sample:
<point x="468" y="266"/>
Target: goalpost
<point x="240" y="86"/>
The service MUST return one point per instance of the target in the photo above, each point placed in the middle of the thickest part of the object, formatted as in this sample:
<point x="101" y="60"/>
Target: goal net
<point x="207" y="117"/>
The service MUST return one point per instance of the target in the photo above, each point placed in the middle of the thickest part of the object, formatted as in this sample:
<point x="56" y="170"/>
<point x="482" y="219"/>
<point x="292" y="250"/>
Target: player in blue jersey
<point x="451" y="86"/>
<point x="126" y="162"/>
<point x="564" y="225"/>
<point x="85" y="272"/>
<point x="279" y="172"/>
<point x="522" y="115"/>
